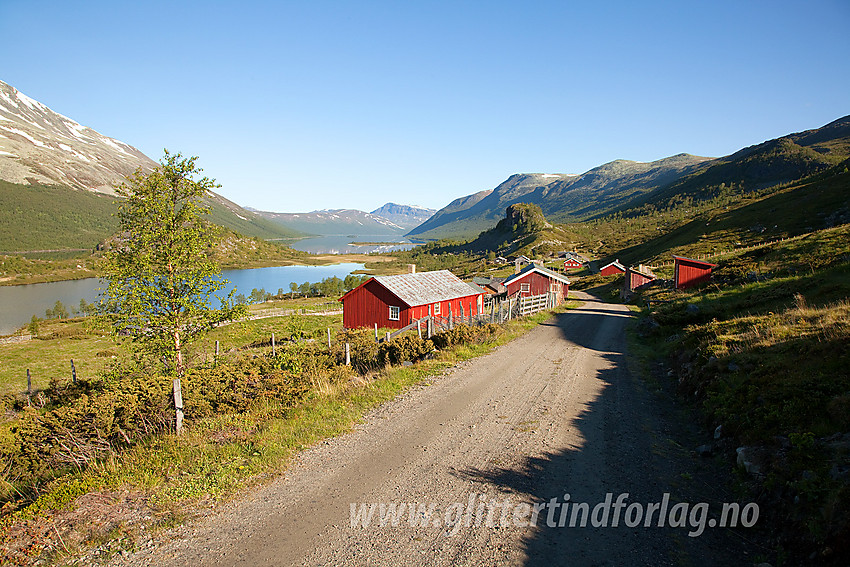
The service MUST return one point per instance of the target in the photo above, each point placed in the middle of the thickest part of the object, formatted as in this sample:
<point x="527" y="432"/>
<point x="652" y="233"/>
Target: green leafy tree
<point x="161" y="278"/>
<point x="293" y="287"/>
<point x="59" y="311"/>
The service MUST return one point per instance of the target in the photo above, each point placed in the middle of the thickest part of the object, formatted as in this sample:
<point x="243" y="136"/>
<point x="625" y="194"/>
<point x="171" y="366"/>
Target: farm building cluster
<point x="395" y="302"/>
<point x="399" y="301"/>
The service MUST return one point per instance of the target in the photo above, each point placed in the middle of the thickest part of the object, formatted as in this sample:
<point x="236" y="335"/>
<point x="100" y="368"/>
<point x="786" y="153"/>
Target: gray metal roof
<point x="427" y="287"/>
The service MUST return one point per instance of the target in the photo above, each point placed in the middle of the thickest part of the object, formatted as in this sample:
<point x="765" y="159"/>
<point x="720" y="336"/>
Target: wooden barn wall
<point x="637" y="280"/>
<point x="688" y="274"/>
<point x="539" y="285"/>
<point x="370" y="304"/>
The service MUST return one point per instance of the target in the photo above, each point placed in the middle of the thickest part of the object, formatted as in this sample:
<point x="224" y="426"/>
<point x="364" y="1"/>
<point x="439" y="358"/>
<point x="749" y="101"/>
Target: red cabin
<point x="536" y="280"/>
<point x="572" y="264"/>
<point x="396" y="301"/>
<point x="613" y="268"/>
<point x="688" y="272"/>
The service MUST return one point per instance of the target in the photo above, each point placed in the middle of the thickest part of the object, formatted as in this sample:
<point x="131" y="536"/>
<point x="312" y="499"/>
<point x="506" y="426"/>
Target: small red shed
<point x="537" y="280"/>
<point x="614" y="267"/>
<point x="572" y="264"/>
<point x="688" y="272"/>
<point x="396" y="301"/>
<point x="638" y="277"/>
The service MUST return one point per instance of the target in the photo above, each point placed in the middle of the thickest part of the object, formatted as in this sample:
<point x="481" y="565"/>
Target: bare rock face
<point x="38" y="145"/>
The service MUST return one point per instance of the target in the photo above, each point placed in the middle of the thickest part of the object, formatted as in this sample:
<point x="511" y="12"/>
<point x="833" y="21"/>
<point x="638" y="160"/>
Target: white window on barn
<point x="555" y="287"/>
<point x="524" y="287"/>
<point x="436" y="309"/>
<point x="395" y="313"/>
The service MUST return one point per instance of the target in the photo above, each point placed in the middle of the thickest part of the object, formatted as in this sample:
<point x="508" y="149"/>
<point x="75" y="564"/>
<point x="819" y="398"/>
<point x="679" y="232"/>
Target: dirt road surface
<point x="555" y="412"/>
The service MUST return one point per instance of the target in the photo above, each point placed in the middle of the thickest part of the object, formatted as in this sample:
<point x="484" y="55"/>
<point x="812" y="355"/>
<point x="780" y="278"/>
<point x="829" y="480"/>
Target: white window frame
<point x="555" y="287"/>
<point x="395" y="313"/>
<point x="525" y="287"/>
<point x="436" y="309"/>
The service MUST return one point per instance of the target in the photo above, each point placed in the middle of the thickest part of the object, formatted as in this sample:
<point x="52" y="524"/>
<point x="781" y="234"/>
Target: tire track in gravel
<point x="550" y="413"/>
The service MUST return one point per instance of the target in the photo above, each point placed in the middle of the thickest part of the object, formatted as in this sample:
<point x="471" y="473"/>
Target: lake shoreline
<point x="12" y="280"/>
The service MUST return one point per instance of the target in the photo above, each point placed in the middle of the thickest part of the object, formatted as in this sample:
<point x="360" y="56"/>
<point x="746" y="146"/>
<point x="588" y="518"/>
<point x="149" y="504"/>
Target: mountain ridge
<point x="53" y="169"/>
<point x="562" y="197"/>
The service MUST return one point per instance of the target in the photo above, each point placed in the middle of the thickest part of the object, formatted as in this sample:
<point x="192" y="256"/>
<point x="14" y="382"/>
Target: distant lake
<point x="20" y="302"/>
<point x="342" y="244"/>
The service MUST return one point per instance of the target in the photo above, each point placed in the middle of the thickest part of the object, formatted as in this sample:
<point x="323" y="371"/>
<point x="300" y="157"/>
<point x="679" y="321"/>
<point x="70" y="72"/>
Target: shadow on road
<point x="632" y="446"/>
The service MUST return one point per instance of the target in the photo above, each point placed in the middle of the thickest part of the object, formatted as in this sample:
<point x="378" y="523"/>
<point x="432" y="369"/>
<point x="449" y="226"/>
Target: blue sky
<point x="297" y="106"/>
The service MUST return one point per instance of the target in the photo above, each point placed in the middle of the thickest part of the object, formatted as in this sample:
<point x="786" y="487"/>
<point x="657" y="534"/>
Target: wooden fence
<point x="705" y="257"/>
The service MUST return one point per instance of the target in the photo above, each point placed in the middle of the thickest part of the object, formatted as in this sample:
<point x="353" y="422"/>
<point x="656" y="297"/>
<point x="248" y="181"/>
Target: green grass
<point x="50" y="356"/>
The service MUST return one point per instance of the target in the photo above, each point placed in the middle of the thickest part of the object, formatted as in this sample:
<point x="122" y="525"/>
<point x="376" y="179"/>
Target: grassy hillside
<point x="37" y="217"/>
<point x="763" y="353"/>
<point x="723" y="224"/>
<point x="47" y="218"/>
<point x="233" y="217"/>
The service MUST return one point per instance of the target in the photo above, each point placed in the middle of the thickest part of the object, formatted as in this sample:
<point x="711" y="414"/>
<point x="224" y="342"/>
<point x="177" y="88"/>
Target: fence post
<point x="178" y="407"/>
<point x="215" y="360"/>
<point x="376" y="331"/>
<point x="419" y="328"/>
<point x="347" y="354"/>
<point x="451" y="318"/>
<point x="388" y="336"/>
<point x="73" y="372"/>
<point x="273" y="346"/>
<point x="29" y="384"/>
<point x="430" y="326"/>
<point x="329" y="338"/>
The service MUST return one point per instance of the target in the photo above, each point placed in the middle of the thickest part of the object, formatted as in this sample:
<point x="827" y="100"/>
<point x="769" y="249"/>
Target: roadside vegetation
<point x="106" y="438"/>
<point x="763" y="352"/>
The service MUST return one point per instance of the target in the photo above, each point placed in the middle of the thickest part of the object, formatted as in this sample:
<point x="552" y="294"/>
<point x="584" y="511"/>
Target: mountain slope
<point x="561" y="197"/>
<point x="331" y="222"/>
<point x="57" y="181"/>
<point x="38" y="145"/>
<point x="454" y="211"/>
<point x="405" y="216"/>
<point x="771" y="163"/>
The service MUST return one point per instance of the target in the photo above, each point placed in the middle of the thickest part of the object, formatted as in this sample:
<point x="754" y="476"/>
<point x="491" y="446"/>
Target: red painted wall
<point x="369" y="304"/>
<point x="572" y="264"/>
<point x="637" y="280"/>
<point x="610" y="270"/>
<point x="687" y="274"/>
<point x="539" y="284"/>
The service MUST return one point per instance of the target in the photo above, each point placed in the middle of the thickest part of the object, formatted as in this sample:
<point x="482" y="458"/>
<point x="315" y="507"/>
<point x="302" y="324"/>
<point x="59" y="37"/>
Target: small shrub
<point x="404" y="348"/>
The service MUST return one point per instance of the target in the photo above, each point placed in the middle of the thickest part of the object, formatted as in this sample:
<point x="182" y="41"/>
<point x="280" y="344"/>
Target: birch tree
<point x="162" y="280"/>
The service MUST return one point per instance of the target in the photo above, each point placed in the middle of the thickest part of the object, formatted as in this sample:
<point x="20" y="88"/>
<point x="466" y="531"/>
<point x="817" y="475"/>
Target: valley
<point x="754" y="358"/>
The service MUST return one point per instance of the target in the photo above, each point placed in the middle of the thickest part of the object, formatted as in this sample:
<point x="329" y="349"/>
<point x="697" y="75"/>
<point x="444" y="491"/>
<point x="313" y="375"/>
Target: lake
<point x="337" y="244"/>
<point x="20" y="302"/>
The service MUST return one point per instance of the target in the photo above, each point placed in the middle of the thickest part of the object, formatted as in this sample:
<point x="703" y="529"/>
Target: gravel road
<point x="476" y="451"/>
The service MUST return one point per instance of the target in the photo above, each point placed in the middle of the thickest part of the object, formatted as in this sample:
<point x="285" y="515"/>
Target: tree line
<point x="328" y="287"/>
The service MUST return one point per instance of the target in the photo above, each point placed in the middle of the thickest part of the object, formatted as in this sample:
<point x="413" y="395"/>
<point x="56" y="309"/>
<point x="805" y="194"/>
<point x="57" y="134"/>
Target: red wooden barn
<point x="688" y="272"/>
<point x="614" y="267"/>
<point x="537" y="280"/>
<point x="396" y="301"/>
